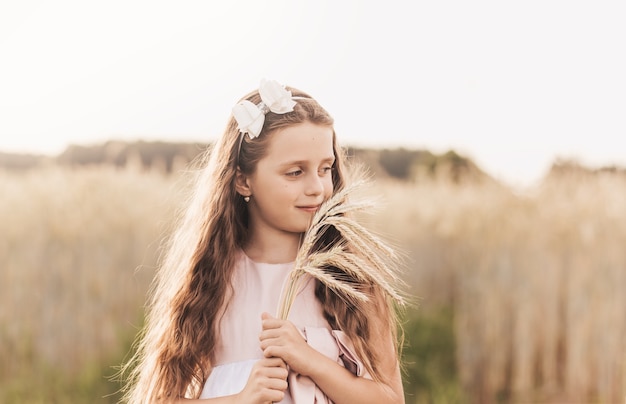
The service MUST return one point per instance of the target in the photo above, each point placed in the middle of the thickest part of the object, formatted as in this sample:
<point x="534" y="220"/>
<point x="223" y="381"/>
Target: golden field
<point x="518" y="297"/>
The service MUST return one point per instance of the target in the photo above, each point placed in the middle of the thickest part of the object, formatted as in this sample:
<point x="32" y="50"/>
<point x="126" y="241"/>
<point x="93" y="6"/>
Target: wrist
<point x="315" y="364"/>
<point x="236" y="398"/>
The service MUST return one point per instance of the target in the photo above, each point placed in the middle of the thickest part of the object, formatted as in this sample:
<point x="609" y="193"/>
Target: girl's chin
<point x="300" y="228"/>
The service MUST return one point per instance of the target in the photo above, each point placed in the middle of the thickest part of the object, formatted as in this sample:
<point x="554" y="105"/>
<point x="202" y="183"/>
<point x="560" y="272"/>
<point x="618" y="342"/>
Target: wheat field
<point x="534" y="282"/>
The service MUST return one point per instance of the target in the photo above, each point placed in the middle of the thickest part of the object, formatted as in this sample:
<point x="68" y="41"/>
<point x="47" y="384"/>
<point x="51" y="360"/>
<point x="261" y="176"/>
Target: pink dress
<point x="257" y="289"/>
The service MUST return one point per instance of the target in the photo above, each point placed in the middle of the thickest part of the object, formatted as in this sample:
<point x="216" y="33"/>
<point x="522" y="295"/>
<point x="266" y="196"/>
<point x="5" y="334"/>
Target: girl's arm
<point x="281" y="339"/>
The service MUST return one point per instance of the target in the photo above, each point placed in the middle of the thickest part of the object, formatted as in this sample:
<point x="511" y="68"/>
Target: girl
<point x="210" y="335"/>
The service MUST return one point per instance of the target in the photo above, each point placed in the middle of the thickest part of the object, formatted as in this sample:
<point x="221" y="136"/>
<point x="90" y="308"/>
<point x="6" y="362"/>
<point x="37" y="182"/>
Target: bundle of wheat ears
<point x="357" y="258"/>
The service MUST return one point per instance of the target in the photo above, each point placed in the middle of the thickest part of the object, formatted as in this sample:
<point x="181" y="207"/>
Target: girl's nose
<point x="314" y="185"/>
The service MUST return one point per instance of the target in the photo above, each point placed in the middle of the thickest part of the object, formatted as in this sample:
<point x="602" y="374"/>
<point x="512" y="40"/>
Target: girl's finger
<point x="265" y="344"/>
<point x="269" y="322"/>
<point x="269" y="334"/>
<point x="271" y="362"/>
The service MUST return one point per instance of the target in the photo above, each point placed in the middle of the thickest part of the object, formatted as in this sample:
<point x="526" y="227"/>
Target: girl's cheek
<point x="330" y="186"/>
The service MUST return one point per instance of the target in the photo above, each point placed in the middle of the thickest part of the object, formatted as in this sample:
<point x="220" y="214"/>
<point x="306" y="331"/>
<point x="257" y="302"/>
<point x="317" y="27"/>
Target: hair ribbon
<point x="250" y="117"/>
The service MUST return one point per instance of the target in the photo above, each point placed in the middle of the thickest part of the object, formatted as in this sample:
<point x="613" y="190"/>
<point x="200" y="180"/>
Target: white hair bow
<point x="250" y="117"/>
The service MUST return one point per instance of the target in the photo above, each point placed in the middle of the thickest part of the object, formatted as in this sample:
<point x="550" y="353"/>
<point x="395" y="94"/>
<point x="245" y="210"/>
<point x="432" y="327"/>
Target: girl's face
<point x="292" y="180"/>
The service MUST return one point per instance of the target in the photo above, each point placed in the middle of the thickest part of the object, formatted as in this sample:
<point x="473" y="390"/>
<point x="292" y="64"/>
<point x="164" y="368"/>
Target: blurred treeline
<point x="518" y="295"/>
<point x="167" y="157"/>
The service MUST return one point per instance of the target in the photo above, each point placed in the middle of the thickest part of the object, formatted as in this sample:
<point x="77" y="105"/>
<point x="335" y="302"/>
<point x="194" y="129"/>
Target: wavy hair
<point x="176" y="347"/>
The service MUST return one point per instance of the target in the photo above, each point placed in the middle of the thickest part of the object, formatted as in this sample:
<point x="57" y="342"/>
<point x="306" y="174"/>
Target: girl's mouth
<point x="310" y="209"/>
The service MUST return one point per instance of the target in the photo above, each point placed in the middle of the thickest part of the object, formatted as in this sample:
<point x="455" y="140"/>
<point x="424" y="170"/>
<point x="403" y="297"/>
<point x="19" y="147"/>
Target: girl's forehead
<point x="305" y="141"/>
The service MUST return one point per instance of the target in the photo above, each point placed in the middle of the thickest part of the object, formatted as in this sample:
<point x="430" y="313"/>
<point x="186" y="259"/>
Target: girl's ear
<point x="241" y="184"/>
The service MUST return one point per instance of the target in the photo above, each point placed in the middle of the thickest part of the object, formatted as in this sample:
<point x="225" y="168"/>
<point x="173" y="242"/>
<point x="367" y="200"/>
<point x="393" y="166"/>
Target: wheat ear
<point x="358" y="260"/>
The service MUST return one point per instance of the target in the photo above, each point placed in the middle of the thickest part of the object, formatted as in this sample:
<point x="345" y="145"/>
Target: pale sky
<point x="511" y="84"/>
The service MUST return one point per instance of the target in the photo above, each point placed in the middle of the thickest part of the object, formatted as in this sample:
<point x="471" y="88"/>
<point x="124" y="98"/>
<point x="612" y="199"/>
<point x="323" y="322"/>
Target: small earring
<point x="246" y="198"/>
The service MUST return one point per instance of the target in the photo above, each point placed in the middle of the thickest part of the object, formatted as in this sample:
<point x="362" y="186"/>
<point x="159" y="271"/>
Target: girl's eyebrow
<point x="304" y="162"/>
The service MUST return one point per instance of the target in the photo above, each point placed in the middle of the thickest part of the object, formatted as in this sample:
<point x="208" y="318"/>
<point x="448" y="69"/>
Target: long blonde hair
<point x="176" y="348"/>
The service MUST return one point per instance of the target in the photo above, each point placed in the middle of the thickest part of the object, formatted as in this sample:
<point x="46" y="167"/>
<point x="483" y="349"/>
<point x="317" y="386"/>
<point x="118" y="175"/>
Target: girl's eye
<point x="326" y="170"/>
<point x="294" y="173"/>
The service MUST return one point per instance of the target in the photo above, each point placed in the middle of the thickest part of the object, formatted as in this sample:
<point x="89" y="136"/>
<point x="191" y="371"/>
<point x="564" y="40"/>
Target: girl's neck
<point x="277" y="248"/>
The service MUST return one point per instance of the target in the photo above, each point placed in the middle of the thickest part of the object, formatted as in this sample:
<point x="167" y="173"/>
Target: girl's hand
<point x="281" y="339"/>
<point x="267" y="382"/>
